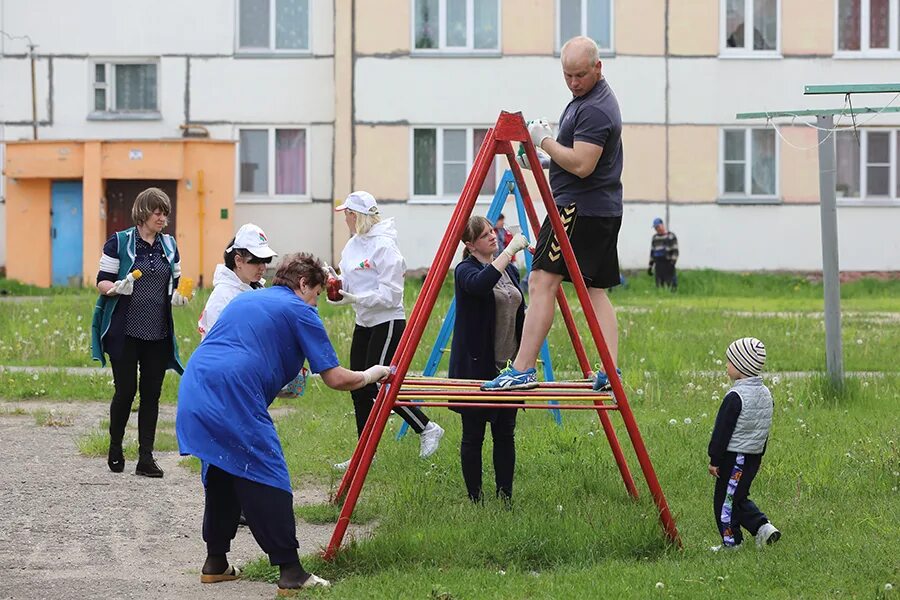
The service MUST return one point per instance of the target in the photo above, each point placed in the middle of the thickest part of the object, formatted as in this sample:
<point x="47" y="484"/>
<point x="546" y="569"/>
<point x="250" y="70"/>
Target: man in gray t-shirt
<point x="586" y="160"/>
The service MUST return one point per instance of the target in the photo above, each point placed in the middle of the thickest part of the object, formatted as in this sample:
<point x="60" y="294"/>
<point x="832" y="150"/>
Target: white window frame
<point x="747" y="51"/>
<point x="246" y="51"/>
<point x="271" y="197"/>
<point x="442" y="32"/>
<point x="864" y="199"/>
<point x="893" y="49"/>
<point x="612" y="27"/>
<point x="441" y="197"/>
<point x="111" y="112"/>
<point x="747" y="197"/>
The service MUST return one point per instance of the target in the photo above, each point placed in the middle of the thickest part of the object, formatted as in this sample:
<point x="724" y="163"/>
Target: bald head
<point x="580" y="59"/>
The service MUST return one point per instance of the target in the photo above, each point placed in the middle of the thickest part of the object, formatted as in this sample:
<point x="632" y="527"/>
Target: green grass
<point x="96" y="443"/>
<point x="52" y="418"/>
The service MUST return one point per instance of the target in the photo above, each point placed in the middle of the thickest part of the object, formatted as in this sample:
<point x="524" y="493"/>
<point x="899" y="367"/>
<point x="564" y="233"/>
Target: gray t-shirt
<point x="593" y="118"/>
<point x="507" y="298"/>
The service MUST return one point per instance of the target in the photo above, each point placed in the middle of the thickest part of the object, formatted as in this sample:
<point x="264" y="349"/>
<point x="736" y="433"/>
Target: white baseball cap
<point x="361" y="202"/>
<point x="251" y="238"/>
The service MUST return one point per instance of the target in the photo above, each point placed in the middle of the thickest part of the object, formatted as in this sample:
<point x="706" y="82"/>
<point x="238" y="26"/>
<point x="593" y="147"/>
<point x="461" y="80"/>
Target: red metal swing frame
<point x="510" y="127"/>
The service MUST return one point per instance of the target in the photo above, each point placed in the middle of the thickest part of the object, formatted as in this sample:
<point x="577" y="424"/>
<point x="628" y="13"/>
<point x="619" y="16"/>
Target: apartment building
<point x="320" y="97"/>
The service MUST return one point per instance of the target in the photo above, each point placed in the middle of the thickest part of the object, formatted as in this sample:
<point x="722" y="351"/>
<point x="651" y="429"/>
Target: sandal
<point x="230" y="574"/>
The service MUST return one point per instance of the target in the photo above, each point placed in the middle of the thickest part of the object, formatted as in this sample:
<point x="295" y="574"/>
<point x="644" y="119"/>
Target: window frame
<point x="864" y="52"/>
<point x="747" y="197"/>
<point x="611" y="51"/>
<point x="864" y="199"/>
<point x="442" y="48"/>
<point x="748" y="52"/>
<point x="270" y="197"/>
<point x="112" y="113"/>
<point x="442" y="197"/>
<point x="271" y="50"/>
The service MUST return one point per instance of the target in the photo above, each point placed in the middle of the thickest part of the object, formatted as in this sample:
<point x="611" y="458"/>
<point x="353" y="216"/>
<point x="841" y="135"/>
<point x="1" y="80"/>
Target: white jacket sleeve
<point x="214" y="306"/>
<point x="390" y="266"/>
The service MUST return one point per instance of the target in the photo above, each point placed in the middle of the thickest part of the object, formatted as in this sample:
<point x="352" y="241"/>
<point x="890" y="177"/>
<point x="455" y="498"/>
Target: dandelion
<point x="501" y="572"/>
<point x="859" y="342"/>
<point x="559" y="508"/>
<point x="776" y="379"/>
<point x="865" y="384"/>
<point x="711" y="352"/>
<point x="35" y="376"/>
<point x="660" y="585"/>
<point x="642" y="359"/>
<point x="703" y="416"/>
<point x="591" y="433"/>
<point x="713" y="397"/>
<point x="719" y="361"/>
<point x="43" y="321"/>
<point x="56" y="332"/>
<point x="186" y="340"/>
<point x="639" y="391"/>
<point x="888" y="587"/>
<point x="673" y="422"/>
<point x="79" y="316"/>
<point x="687" y="421"/>
<point x="35" y="310"/>
<point x="690" y="385"/>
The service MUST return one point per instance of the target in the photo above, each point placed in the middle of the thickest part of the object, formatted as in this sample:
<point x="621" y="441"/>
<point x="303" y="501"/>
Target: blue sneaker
<point x="511" y="379"/>
<point x="601" y="382"/>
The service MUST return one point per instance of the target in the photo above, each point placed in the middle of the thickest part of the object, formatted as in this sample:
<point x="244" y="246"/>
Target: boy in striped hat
<point x="737" y="445"/>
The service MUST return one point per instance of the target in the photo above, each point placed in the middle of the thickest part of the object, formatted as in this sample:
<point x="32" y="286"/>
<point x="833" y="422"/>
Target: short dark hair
<point x="248" y="256"/>
<point x="301" y="265"/>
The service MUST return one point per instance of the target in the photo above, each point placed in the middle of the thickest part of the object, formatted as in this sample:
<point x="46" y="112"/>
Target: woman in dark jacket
<point x="490" y="311"/>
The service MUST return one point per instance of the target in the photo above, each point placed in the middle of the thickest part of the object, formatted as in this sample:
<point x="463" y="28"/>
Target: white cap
<point x="251" y="238"/>
<point x="361" y="202"/>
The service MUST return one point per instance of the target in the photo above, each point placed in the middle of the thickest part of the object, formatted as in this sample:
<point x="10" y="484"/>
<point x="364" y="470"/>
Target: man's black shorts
<point x="594" y="240"/>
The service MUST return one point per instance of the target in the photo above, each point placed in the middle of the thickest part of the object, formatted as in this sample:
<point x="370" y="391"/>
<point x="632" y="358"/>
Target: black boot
<point x="148" y="467"/>
<point x="116" y="458"/>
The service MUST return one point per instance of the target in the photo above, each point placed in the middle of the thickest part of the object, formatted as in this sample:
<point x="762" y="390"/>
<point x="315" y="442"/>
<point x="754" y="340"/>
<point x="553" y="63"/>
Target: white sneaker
<point x="316" y="581"/>
<point x="429" y="439"/>
<point x="343" y="466"/>
<point x="767" y="534"/>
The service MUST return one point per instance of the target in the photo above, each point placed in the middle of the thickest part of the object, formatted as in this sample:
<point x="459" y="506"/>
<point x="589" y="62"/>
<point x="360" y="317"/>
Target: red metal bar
<point x="586" y="395"/>
<point x="362" y="457"/>
<point x="580" y="353"/>
<point x="511" y="405"/>
<point x="473" y="383"/>
<point x="665" y="515"/>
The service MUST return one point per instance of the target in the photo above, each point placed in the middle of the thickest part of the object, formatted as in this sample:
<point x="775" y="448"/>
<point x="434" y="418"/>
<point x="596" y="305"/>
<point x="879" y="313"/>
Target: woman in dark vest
<point x="490" y="311"/>
<point x="132" y="323"/>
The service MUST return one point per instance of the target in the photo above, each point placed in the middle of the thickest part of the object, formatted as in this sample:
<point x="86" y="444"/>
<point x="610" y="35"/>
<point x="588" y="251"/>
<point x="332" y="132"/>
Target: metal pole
<point x="830" y="268"/>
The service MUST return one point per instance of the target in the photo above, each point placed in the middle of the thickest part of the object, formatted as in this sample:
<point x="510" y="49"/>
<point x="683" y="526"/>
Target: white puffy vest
<point x="755" y="420"/>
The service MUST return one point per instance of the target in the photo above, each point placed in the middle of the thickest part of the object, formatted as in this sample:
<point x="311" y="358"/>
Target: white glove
<point x="329" y="270"/>
<point x="542" y="156"/>
<point x="346" y="298"/>
<point x="122" y="287"/>
<point x="539" y="130"/>
<point x="376" y="373"/>
<point x="178" y="299"/>
<point x="519" y="242"/>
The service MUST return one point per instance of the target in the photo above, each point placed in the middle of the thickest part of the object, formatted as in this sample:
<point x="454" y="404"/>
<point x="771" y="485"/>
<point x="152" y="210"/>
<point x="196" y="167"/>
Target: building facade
<point x="394" y="96"/>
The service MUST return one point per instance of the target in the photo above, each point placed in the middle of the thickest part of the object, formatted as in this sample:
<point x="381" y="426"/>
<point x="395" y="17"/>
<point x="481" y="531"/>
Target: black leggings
<point x="152" y="356"/>
<point x="376" y="346"/>
<point x="744" y="512"/>
<point x="503" y="429"/>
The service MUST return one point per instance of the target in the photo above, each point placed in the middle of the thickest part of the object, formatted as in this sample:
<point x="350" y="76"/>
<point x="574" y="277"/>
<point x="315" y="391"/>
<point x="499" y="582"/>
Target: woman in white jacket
<point x="372" y="270"/>
<point x="246" y="259"/>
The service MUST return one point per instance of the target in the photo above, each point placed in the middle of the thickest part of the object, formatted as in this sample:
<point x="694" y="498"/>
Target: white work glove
<point x="330" y="272"/>
<point x="346" y="298"/>
<point x="539" y="130"/>
<point x="519" y="242"/>
<point x="376" y="373"/>
<point x="178" y="299"/>
<point x="122" y="287"/>
<point x="542" y="156"/>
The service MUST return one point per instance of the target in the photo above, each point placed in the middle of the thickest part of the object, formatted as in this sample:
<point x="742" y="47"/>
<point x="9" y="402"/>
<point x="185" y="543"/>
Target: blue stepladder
<point x="506" y="187"/>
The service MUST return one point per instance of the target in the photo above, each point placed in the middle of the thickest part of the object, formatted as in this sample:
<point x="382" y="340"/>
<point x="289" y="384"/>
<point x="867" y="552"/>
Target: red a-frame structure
<point x="510" y="127"/>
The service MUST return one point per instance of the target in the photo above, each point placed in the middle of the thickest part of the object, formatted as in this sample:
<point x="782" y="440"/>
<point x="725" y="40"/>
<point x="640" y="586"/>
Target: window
<point x="273" y="162"/>
<point x="125" y="87"/>
<point x="867" y="164"/>
<point x="456" y="25"/>
<point x="442" y="158"/>
<point x="273" y="26"/>
<point x="592" y="18"/>
<point x="750" y="27"/>
<point x="749" y="164"/>
<point x="869" y="26"/>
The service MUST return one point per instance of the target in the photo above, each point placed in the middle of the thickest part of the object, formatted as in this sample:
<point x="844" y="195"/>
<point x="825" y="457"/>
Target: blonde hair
<point x="473" y="231"/>
<point x="148" y="202"/>
<point x="583" y="44"/>
<point x="365" y="222"/>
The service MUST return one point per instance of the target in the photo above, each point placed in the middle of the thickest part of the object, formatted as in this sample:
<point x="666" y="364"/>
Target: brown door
<point x="120" y="195"/>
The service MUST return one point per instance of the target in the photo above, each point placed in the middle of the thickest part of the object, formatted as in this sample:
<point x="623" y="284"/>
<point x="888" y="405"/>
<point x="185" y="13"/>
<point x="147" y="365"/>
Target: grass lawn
<point x="829" y="480"/>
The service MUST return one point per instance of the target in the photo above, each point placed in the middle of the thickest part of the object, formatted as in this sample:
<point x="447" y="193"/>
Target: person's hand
<point x="376" y="373"/>
<point x="650" y="269"/>
<point x="714" y="471"/>
<point x="539" y="130"/>
<point x="122" y="287"/>
<point x="346" y="298"/>
<point x="517" y="243"/>
<point x="178" y="299"/>
<point x="329" y="270"/>
<point x="542" y="156"/>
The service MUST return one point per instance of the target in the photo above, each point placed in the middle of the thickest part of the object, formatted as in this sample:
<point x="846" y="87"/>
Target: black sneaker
<point x="115" y="459"/>
<point x="148" y="468"/>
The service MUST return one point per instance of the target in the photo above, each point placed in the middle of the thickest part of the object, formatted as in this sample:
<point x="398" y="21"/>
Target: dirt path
<point x="71" y="528"/>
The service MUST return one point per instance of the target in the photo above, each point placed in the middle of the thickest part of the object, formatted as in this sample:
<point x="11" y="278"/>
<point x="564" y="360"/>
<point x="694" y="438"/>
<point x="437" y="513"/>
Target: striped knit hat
<point x="748" y="355"/>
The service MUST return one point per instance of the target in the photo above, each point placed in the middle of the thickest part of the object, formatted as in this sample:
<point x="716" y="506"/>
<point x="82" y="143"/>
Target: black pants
<point x="152" y="356"/>
<point x="744" y="512"/>
<point x="665" y="273"/>
<point x="269" y="512"/>
<point x="503" y="429"/>
<point x="376" y="346"/>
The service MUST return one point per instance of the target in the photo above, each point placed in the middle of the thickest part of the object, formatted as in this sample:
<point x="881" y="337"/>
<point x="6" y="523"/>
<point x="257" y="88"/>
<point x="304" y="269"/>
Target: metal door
<point x="67" y="245"/>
